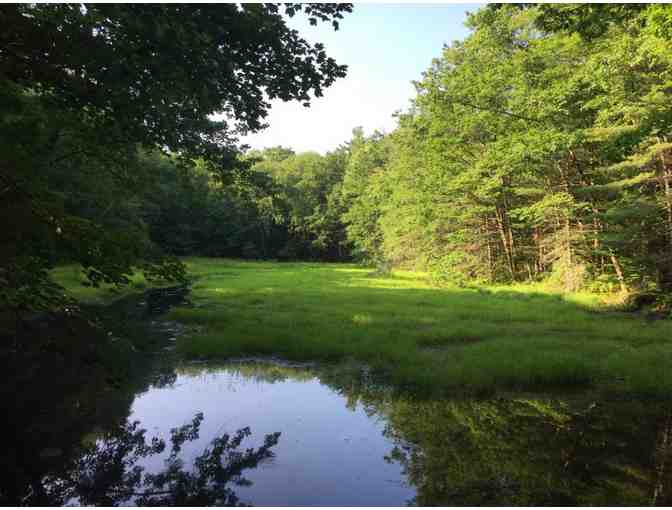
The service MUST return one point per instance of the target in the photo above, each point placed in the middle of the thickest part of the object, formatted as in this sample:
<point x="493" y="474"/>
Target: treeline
<point x="277" y="205"/>
<point x="537" y="148"/>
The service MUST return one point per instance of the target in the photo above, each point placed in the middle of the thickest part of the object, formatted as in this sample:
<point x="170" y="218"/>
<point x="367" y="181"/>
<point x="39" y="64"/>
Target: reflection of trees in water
<point x="535" y="451"/>
<point x="524" y="452"/>
<point x="109" y="473"/>
<point x="57" y="391"/>
<point x="261" y="371"/>
<point x="521" y="451"/>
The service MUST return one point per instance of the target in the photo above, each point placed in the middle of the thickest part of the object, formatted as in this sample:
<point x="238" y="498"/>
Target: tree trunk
<point x="538" y="237"/>
<point x="491" y="270"/>
<point x="619" y="272"/>
<point x="502" y="225"/>
<point x="665" y="273"/>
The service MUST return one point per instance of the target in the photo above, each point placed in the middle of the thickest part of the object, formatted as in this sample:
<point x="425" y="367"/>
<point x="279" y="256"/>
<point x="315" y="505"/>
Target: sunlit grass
<point x="522" y="336"/>
<point x="73" y="280"/>
<point x="420" y="335"/>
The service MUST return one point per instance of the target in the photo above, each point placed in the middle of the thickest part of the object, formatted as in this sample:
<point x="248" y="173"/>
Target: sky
<point x="385" y="47"/>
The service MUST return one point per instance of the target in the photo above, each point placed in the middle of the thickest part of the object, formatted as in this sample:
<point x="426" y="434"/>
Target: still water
<point x="274" y="434"/>
<point x="329" y="452"/>
<point x="271" y="433"/>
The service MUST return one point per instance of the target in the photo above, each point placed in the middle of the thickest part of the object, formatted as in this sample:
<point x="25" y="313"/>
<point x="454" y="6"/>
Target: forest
<point x="537" y="149"/>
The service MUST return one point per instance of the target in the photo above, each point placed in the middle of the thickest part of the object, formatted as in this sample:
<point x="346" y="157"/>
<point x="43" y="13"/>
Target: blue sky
<point x="385" y="48"/>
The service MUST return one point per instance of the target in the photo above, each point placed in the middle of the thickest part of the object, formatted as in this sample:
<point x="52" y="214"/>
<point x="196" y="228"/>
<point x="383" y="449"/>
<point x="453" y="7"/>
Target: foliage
<point x="284" y="206"/>
<point x="90" y="94"/>
<point x="363" y="191"/>
<point x="537" y="147"/>
<point x="153" y="75"/>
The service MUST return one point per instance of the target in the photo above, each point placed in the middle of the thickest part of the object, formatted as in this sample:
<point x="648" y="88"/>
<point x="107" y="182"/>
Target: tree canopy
<point x="537" y="147"/>
<point x="154" y="74"/>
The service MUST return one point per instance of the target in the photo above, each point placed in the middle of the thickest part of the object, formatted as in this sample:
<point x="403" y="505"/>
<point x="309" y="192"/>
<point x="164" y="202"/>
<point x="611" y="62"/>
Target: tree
<point x="363" y="192"/>
<point x="85" y="86"/>
<point x="154" y="74"/>
<point x="303" y="201"/>
<point x="537" y="148"/>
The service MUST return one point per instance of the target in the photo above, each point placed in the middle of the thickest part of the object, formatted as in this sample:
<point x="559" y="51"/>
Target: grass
<point x="72" y="279"/>
<point x="477" y="339"/>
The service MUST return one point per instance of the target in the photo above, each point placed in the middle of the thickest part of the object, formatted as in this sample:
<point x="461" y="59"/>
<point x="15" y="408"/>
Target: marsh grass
<point x="417" y="335"/>
<point x="73" y="280"/>
<point x="474" y="339"/>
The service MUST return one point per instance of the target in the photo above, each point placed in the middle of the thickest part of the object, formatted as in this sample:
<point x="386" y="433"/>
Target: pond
<point x="344" y="441"/>
<point x="329" y="451"/>
<point x="272" y="433"/>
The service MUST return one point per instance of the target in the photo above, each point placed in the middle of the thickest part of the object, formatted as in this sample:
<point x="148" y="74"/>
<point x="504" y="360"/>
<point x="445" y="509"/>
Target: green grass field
<point x="72" y="278"/>
<point x="419" y="335"/>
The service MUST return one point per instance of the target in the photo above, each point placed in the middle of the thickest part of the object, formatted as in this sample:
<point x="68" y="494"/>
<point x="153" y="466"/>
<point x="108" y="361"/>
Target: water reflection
<point x="524" y="450"/>
<point x="529" y="452"/>
<point x="109" y="471"/>
<point x="329" y="454"/>
<point x="347" y="440"/>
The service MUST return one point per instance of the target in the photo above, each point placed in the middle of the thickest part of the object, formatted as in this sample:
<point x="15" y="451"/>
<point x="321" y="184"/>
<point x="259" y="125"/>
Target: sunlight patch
<point x="221" y="290"/>
<point x="362" y="318"/>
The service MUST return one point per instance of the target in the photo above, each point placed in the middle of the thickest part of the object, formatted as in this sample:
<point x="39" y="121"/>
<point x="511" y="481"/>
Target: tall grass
<point x="72" y="278"/>
<point x="477" y="339"/>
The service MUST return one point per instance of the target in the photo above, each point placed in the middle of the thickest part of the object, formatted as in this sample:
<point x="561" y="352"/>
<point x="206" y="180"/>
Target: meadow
<point x="414" y="334"/>
<point x="418" y="335"/>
